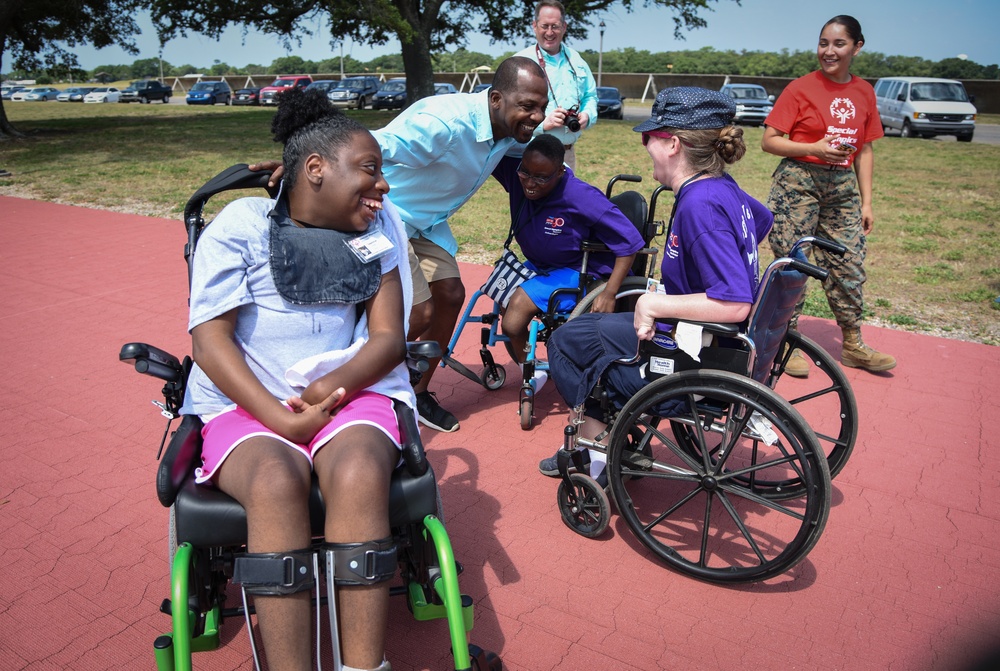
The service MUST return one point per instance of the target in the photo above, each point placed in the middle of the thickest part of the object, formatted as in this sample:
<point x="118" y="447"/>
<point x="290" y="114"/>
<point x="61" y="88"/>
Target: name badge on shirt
<point x="654" y="287"/>
<point x="370" y="246"/>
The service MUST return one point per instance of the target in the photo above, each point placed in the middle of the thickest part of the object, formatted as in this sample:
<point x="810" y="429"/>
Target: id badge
<point x="370" y="246"/>
<point x="654" y="287"/>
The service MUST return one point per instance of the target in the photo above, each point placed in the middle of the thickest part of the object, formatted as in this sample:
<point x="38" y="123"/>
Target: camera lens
<point x="573" y="124"/>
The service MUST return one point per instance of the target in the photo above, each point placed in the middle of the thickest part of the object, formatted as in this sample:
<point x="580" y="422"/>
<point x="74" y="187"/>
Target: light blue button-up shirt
<point x="572" y="83"/>
<point x="436" y="154"/>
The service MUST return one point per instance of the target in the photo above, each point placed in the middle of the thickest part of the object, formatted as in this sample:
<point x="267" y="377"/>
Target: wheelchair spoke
<point x="749" y="495"/>
<point x="706" y="527"/>
<point x="662" y="516"/>
<point x="738" y="521"/>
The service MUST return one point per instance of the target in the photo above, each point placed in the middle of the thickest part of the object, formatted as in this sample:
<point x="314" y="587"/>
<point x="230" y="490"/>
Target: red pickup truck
<point x="283" y="83"/>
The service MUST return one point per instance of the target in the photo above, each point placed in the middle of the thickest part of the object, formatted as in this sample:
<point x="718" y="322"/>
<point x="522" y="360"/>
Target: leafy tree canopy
<point x="32" y="30"/>
<point x="422" y="27"/>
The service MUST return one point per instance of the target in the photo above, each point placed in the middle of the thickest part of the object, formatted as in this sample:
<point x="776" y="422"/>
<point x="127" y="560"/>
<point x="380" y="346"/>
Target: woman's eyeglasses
<point x="661" y="134"/>
<point x="540" y="181"/>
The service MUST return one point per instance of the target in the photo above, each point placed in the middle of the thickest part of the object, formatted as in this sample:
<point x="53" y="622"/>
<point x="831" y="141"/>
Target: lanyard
<point x="541" y="62"/>
<point x="677" y="197"/>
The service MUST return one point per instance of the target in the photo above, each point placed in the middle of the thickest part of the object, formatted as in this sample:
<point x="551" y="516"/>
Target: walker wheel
<point x="584" y="505"/>
<point x="495" y="379"/>
<point x="526" y="409"/>
<point x="484" y="660"/>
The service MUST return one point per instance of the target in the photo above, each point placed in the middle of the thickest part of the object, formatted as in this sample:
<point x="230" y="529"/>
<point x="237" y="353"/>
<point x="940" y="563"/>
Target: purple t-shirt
<point x="713" y="242"/>
<point x="551" y="231"/>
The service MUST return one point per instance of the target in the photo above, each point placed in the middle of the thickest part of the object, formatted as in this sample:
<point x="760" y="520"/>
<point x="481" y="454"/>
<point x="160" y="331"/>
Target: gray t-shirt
<point x="232" y="271"/>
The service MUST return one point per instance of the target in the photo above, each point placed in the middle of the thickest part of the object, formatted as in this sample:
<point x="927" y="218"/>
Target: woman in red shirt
<point x="823" y="125"/>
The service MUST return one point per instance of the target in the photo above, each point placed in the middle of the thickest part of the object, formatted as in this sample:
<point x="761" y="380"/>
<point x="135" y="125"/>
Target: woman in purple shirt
<point x="553" y="214"/>
<point x="710" y="267"/>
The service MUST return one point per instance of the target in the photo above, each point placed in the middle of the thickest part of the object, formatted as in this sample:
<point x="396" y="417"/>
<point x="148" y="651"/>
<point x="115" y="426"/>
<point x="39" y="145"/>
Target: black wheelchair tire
<point x="661" y="507"/>
<point x="837" y="445"/>
<point x="584" y="506"/>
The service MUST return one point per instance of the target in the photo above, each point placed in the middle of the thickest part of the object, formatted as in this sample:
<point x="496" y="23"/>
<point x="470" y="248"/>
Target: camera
<point x="572" y="121"/>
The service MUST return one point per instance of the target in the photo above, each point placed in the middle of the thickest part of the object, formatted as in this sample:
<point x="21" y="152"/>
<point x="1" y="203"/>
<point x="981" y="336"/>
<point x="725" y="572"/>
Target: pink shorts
<point x="223" y="433"/>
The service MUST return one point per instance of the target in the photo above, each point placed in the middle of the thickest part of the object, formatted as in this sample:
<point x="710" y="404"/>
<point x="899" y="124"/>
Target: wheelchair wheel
<point x="631" y="288"/>
<point x="525" y="410"/>
<point x="584" y="506"/>
<point x="696" y="505"/>
<point x="824" y="399"/>
<point x="491" y="380"/>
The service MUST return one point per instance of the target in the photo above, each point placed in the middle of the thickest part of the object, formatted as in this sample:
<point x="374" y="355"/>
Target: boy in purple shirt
<point x="553" y="213"/>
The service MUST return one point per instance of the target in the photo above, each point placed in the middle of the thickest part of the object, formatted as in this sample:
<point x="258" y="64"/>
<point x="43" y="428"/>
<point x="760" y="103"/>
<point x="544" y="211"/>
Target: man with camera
<point x="572" y="89"/>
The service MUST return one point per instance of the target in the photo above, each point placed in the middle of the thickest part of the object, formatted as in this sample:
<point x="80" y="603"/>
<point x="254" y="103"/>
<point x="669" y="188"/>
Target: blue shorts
<point x="540" y="287"/>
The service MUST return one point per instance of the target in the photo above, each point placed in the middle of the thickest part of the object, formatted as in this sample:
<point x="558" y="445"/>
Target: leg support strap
<point x="275" y="573"/>
<point x="365" y="563"/>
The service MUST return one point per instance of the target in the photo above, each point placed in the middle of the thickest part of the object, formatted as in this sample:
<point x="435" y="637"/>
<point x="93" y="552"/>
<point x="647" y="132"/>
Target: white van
<point x="925" y="107"/>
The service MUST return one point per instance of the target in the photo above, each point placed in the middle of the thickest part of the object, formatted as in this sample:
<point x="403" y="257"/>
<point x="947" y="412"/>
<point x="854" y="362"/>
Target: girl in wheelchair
<point x="709" y="268"/>
<point x="305" y="290"/>
<point x="554" y="213"/>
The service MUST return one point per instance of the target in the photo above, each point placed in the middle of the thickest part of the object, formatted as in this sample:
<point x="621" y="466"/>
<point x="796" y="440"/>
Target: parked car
<point x="7" y="91"/>
<point x="146" y="91"/>
<point x="103" y="94"/>
<point x="247" y="96"/>
<point x="74" y="94"/>
<point x="324" y="85"/>
<point x="609" y="103"/>
<point x="443" y="89"/>
<point x="480" y="87"/>
<point x="18" y="96"/>
<point x="753" y="104"/>
<point x="391" y="95"/>
<point x="354" y="92"/>
<point x="926" y="107"/>
<point x="210" y="93"/>
<point x="283" y="82"/>
<point x="41" y="94"/>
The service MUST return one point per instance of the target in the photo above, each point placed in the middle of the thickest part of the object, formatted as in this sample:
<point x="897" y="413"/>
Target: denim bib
<point x="311" y="266"/>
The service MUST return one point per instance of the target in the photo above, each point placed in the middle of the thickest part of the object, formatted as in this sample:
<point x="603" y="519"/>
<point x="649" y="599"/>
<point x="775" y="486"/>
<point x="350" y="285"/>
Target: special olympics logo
<point x="842" y="109"/>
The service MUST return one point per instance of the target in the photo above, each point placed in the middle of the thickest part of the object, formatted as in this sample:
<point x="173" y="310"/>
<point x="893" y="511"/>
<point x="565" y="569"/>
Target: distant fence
<point x="635" y="86"/>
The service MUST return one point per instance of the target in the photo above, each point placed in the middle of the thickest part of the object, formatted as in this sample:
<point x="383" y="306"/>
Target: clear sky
<point x="929" y="29"/>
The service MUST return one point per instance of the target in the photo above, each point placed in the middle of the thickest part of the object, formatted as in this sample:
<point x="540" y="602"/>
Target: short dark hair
<point x="548" y="146"/>
<point x="850" y="24"/>
<point x="306" y="123"/>
<point x="505" y="80"/>
<point x="554" y="4"/>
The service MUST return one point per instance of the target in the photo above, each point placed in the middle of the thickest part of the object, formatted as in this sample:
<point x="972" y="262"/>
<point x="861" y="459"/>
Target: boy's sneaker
<point x="550" y="468"/>
<point x="433" y="415"/>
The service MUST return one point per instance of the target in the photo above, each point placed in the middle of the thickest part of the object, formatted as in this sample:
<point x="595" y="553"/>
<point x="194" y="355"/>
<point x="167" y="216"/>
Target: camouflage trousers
<point x="809" y="199"/>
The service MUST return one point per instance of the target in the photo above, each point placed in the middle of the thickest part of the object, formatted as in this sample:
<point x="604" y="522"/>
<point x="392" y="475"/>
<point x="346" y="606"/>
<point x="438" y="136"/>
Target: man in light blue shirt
<point x="436" y="155"/>
<point x="570" y="81"/>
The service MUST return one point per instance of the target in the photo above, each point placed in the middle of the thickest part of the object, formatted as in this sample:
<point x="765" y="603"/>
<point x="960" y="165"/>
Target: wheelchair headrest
<point x="238" y="176"/>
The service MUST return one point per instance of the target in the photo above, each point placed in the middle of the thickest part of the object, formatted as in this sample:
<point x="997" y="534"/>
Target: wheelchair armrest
<point x="724" y="330"/>
<point x="179" y="460"/>
<point x="409" y="438"/>
<point x="152" y="361"/>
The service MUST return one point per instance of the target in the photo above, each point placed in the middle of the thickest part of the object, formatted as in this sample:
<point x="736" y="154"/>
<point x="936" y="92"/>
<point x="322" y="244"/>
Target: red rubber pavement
<point x="904" y="577"/>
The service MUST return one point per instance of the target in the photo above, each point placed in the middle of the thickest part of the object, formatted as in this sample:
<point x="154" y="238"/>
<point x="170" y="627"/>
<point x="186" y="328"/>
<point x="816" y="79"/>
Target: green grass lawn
<point x="932" y="260"/>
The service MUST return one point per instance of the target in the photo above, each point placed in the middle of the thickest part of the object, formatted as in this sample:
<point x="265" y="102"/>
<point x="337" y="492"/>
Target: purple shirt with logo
<point x="713" y="243"/>
<point x="551" y="231"/>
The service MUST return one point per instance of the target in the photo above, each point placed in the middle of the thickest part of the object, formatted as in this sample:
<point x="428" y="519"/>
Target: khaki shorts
<point x="429" y="263"/>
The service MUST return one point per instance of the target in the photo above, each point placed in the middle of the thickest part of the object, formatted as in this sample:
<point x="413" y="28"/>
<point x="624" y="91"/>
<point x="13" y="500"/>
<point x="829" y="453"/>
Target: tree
<point x="32" y="30"/>
<point x="422" y="27"/>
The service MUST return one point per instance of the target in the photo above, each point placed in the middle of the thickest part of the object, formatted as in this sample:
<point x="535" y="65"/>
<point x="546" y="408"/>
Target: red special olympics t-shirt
<point x="812" y="107"/>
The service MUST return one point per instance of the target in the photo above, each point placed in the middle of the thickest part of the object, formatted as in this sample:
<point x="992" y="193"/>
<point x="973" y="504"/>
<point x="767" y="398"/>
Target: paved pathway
<point x="905" y="576"/>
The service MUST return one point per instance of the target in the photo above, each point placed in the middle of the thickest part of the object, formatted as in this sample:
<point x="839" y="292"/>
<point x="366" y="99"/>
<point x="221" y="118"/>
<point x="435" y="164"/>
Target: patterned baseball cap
<point x="689" y="107"/>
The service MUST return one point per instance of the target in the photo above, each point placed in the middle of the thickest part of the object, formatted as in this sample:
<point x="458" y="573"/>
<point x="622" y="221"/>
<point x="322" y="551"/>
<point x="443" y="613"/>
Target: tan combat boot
<point x="797" y="365"/>
<point x="856" y="354"/>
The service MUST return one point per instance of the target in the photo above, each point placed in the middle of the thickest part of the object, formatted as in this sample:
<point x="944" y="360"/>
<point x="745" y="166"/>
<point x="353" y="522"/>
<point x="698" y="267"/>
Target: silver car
<point x="74" y="94"/>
